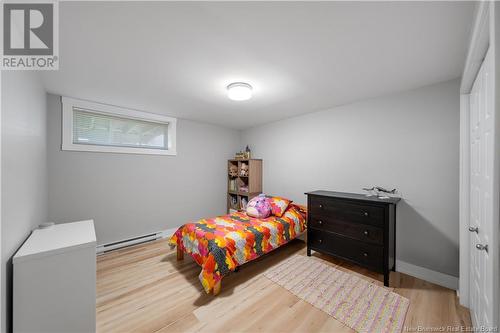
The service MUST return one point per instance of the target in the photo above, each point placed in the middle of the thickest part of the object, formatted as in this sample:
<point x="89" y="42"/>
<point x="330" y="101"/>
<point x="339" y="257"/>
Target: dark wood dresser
<point x="353" y="227"/>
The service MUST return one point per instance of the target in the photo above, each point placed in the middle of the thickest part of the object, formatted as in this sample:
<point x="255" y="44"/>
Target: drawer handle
<point x="366" y="232"/>
<point x="365" y="254"/>
<point x="320" y="222"/>
<point x="320" y="206"/>
<point x="365" y="213"/>
<point x="320" y="241"/>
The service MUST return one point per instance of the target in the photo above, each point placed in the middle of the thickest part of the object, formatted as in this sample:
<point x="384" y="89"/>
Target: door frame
<point x="483" y="37"/>
<point x="480" y="40"/>
<point x="1" y="258"/>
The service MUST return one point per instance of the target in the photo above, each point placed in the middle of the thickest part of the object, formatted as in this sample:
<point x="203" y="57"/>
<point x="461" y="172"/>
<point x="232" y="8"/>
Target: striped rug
<point x="356" y="302"/>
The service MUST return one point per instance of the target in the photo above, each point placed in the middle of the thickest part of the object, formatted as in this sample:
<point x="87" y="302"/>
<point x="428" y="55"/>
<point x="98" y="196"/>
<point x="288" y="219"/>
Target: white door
<point x="482" y="232"/>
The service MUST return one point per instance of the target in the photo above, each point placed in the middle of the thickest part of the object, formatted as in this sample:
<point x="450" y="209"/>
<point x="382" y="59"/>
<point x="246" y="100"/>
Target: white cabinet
<point x="55" y="280"/>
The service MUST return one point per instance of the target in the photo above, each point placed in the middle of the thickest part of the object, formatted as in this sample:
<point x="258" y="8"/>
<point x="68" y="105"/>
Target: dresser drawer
<point x="347" y="211"/>
<point x="362" y="232"/>
<point x="363" y="253"/>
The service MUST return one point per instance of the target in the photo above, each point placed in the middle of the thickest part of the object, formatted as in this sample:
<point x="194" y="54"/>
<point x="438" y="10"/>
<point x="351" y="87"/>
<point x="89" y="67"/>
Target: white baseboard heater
<point x="100" y="249"/>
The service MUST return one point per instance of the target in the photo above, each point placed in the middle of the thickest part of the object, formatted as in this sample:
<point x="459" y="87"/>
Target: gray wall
<point x="24" y="169"/>
<point x="130" y="195"/>
<point x="408" y="140"/>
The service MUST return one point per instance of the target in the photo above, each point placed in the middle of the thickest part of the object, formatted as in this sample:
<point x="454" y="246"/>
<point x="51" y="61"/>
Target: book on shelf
<point x="244" y="202"/>
<point x="232" y="185"/>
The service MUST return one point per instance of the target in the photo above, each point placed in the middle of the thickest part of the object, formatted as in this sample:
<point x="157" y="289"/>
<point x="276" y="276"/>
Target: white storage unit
<point x="55" y="280"/>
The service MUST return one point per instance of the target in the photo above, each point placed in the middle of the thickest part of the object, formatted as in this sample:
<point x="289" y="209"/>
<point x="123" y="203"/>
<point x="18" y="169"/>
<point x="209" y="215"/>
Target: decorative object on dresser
<point x="377" y="190"/>
<point x="55" y="280"/>
<point x="353" y="227"/>
<point x="245" y="184"/>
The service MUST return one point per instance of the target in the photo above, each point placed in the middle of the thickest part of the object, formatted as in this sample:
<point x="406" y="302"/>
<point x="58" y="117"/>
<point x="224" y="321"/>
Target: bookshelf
<point x="243" y="187"/>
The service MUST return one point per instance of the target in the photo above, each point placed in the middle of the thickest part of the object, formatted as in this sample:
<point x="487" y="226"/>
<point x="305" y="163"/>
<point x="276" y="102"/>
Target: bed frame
<point x="180" y="254"/>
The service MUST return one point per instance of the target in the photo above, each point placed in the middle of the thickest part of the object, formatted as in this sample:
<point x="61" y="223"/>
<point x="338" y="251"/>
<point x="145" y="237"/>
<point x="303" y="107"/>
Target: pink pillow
<point x="259" y="207"/>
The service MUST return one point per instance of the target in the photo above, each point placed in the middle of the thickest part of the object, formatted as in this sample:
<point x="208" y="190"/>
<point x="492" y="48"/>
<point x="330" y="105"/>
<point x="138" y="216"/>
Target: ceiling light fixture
<point x="239" y="91"/>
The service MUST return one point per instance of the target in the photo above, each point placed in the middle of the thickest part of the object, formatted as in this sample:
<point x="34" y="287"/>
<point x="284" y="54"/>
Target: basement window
<point x="95" y="127"/>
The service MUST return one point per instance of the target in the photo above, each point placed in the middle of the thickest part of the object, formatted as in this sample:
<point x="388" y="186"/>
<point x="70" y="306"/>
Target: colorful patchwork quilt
<point x="222" y="243"/>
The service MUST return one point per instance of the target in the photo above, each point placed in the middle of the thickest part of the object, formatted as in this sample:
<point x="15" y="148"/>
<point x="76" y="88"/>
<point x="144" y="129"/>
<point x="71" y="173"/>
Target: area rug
<point x="356" y="302"/>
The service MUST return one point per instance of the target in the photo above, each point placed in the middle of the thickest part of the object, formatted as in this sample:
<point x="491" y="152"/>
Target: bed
<point x="221" y="244"/>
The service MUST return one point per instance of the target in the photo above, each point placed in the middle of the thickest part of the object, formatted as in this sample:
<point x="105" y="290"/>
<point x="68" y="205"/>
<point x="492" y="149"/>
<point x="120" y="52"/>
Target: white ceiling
<point x="176" y="58"/>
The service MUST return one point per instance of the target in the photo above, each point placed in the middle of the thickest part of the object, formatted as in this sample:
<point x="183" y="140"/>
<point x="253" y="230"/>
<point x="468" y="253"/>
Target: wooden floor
<point x="144" y="289"/>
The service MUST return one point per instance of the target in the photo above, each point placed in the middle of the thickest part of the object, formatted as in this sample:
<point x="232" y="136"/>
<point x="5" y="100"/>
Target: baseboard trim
<point x="429" y="275"/>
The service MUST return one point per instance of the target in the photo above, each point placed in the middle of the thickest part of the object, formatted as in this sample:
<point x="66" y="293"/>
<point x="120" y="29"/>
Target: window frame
<point x="110" y="110"/>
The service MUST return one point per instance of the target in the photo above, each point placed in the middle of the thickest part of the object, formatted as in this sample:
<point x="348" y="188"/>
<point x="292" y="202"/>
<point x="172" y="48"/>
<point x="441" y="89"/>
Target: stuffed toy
<point x="233" y="170"/>
<point x="244" y="169"/>
<point x="259" y="207"/>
